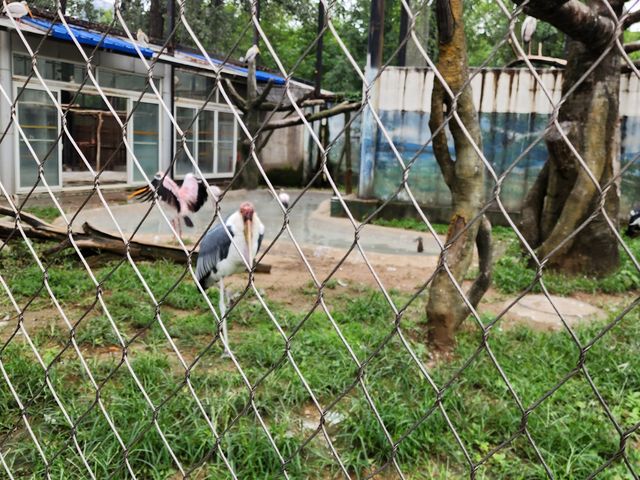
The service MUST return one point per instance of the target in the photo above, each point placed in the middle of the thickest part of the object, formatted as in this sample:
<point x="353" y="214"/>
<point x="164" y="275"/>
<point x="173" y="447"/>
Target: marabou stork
<point x="633" y="227"/>
<point x="185" y="199"/>
<point x="218" y="258"/>
<point x="527" y="30"/>
<point x="17" y="10"/>
<point x="284" y="198"/>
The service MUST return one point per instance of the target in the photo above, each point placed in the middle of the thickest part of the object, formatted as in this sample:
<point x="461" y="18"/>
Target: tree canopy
<point x="224" y="27"/>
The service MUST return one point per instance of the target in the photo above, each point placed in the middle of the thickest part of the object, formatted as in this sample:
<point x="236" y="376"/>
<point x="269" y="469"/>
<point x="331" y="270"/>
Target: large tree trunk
<point x="564" y="196"/>
<point x="464" y="176"/>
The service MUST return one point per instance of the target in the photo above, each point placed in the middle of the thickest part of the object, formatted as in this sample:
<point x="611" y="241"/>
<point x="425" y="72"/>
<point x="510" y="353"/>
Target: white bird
<point x="527" y="30"/>
<point x="17" y="10"/>
<point x="251" y="54"/>
<point x="142" y="37"/>
<point x="284" y="198"/>
<point x="186" y="199"/>
<point x="218" y="258"/>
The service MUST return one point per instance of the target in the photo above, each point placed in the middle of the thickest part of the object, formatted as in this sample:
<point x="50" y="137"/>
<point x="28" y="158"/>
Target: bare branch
<point x="240" y="102"/>
<point x="263" y="96"/>
<point x="632" y="47"/>
<point x="485" y="253"/>
<point x="633" y="17"/>
<point x="574" y="18"/>
<point x="312" y="117"/>
<point x="440" y="145"/>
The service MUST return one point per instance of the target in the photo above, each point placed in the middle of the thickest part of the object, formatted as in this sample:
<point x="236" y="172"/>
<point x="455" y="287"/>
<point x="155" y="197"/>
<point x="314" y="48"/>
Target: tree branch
<point x="633" y="17"/>
<point x="312" y="117"/>
<point x="485" y="262"/>
<point x="440" y="144"/>
<point x="575" y="19"/>
<point x="632" y="47"/>
<point x="240" y="102"/>
<point x="263" y="96"/>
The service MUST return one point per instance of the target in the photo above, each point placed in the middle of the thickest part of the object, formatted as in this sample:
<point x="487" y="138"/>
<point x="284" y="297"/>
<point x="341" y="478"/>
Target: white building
<point x="121" y="76"/>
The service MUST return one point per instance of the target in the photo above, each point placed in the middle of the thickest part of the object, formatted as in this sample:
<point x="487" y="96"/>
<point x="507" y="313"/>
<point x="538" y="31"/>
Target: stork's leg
<point x="223" y="311"/>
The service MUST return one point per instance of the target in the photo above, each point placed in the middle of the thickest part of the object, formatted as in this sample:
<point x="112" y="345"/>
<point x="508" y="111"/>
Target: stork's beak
<point x="247" y="236"/>
<point x="138" y="192"/>
<point x="29" y="11"/>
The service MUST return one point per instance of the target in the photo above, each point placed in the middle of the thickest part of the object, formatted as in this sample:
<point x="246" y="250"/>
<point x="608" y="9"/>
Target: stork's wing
<point x="213" y="249"/>
<point x="194" y="192"/>
<point x="167" y="191"/>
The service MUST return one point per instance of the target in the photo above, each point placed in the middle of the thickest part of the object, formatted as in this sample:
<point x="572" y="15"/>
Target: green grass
<point x="48" y="214"/>
<point x="570" y="428"/>
<point x="512" y="274"/>
<point x="440" y="228"/>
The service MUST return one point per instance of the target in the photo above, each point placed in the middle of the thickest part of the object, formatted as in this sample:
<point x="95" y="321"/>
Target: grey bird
<point x="420" y="245"/>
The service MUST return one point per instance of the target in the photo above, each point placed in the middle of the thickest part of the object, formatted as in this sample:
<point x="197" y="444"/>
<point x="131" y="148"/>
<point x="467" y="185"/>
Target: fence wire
<point x="62" y="441"/>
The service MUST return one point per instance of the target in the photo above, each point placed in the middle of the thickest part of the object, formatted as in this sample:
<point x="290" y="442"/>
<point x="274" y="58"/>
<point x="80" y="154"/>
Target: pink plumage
<point x="185" y="199"/>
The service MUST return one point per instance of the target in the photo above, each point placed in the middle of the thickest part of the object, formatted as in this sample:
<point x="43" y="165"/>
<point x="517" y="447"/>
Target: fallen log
<point x="94" y="241"/>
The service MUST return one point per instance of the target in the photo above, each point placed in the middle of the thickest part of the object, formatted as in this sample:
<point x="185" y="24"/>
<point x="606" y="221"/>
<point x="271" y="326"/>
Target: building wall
<point x="514" y="112"/>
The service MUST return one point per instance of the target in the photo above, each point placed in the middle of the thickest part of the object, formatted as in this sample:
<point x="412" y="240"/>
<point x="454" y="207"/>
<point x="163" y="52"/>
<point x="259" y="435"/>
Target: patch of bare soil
<point x="292" y="281"/>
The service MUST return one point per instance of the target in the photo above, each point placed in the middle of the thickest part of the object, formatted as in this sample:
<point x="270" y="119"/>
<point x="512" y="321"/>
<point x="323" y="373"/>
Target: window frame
<point x="18" y="137"/>
<point x="56" y="86"/>
<point x="212" y="107"/>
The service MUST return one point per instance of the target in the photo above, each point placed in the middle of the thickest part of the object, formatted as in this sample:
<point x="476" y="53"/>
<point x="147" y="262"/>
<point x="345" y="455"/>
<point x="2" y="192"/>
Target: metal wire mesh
<point x="20" y="424"/>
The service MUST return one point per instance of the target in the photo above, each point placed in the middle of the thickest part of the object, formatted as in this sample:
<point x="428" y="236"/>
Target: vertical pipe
<point x="255" y="10"/>
<point x="319" y="48"/>
<point x="369" y="129"/>
<point x="404" y="27"/>
<point x="171" y="24"/>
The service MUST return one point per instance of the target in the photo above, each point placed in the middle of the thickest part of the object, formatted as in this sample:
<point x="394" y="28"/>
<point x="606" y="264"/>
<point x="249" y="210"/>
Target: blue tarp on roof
<point x="88" y="37"/>
<point x="91" y="38"/>
<point x="260" y="75"/>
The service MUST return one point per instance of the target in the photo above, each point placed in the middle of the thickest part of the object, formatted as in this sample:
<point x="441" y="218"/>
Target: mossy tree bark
<point x="464" y="175"/>
<point x="564" y="196"/>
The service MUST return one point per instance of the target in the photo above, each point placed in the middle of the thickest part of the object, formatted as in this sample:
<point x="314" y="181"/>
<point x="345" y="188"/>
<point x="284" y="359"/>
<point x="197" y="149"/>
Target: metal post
<point x="404" y="27"/>
<point x="171" y="24"/>
<point x="319" y="48"/>
<point x="256" y="10"/>
<point x="369" y="129"/>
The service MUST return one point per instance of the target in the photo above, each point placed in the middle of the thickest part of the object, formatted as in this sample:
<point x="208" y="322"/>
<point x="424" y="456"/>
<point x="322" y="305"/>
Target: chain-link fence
<point x="111" y="346"/>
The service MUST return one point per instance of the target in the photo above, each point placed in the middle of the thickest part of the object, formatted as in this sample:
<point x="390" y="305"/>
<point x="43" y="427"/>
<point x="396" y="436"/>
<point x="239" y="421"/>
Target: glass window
<point x="190" y="85"/>
<point x="226" y="142"/>
<point x="184" y="117"/>
<point x="210" y="139"/>
<point x="39" y="120"/>
<point x="146" y="139"/>
<point x="206" y="141"/>
<point x="123" y="81"/>
<point x="50" y="69"/>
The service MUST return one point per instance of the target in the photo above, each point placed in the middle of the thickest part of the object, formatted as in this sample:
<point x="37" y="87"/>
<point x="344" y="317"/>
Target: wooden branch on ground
<point x="92" y="240"/>
<point x="312" y="117"/>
